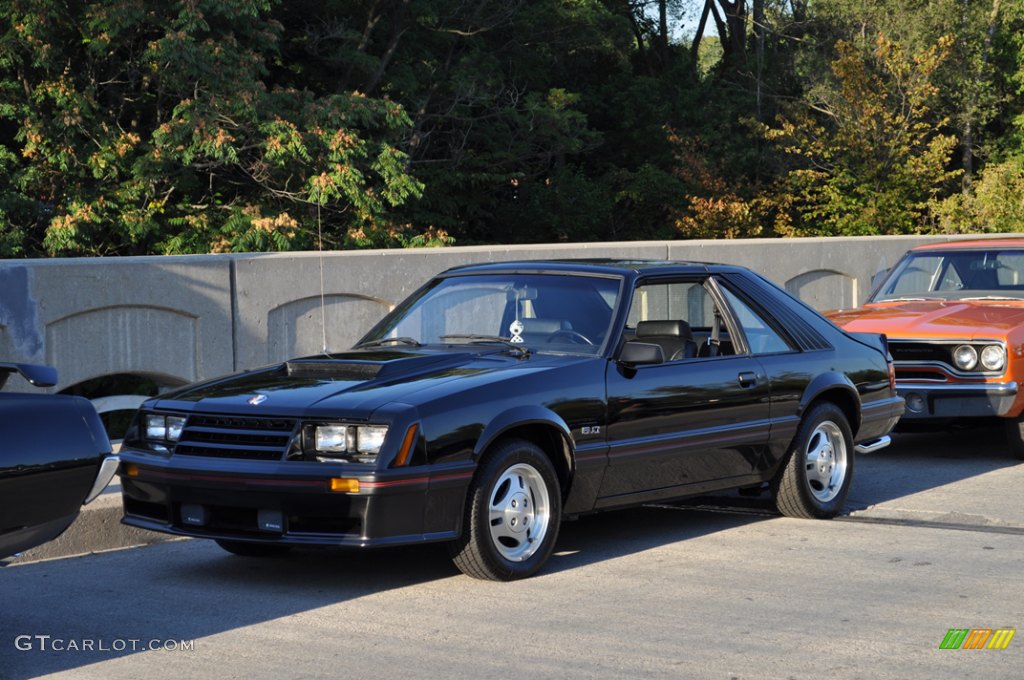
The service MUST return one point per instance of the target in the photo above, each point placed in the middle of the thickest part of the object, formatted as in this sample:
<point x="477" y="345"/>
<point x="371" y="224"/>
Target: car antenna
<point x="323" y="304"/>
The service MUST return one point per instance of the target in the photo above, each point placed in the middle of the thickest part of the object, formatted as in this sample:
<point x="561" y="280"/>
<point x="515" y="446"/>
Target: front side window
<point x="681" y="317"/>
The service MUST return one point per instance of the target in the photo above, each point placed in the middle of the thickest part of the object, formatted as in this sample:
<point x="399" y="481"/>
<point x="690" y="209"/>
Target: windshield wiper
<point x="387" y="341"/>
<point x="991" y="297"/>
<point x="913" y="299"/>
<point x="474" y="339"/>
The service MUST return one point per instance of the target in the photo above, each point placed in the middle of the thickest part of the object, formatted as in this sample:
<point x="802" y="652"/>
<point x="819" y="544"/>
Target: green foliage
<point x="189" y="126"/>
<point x="869" y="159"/>
<point x="155" y="127"/>
<point x="995" y="203"/>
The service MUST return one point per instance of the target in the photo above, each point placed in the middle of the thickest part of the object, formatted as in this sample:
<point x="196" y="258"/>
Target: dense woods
<point x="187" y="126"/>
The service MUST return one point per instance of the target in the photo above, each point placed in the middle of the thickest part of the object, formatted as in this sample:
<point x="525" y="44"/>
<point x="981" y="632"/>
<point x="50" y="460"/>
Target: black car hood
<point x="356" y="382"/>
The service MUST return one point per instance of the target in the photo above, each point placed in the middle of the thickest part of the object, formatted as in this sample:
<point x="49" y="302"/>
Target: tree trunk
<point x="695" y="46"/>
<point x="663" y="31"/>
<point x="759" y="37"/>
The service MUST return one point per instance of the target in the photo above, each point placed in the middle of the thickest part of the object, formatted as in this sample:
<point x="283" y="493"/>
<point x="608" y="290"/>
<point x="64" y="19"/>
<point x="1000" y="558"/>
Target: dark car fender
<point x="529" y="418"/>
<point x="53" y="447"/>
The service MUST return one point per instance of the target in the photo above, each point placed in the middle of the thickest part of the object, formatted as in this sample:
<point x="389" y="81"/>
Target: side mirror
<point x="40" y="376"/>
<point x="639" y="353"/>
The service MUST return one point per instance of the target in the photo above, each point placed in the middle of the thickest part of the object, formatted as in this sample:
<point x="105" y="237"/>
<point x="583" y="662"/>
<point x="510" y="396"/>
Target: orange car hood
<point x="945" y="319"/>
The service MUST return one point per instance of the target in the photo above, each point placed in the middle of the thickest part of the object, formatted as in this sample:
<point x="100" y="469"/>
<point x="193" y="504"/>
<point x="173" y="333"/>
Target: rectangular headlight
<point x="156" y="427"/>
<point x="370" y="438"/>
<point x="331" y="438"/>
<point x="175" y="424"/>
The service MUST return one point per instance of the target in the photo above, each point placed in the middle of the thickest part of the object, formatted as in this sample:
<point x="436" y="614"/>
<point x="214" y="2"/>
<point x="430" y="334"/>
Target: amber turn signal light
<point x="343" y="485"/>
<point x="407" y="444"/>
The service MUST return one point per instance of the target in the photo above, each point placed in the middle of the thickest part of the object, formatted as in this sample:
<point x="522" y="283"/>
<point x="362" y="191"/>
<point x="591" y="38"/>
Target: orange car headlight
<point x="993" y="358"/>
<point x="965" y="357"/>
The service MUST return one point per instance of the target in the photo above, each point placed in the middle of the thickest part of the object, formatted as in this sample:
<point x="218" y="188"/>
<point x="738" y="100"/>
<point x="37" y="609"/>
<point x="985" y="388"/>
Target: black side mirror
<point x="639" y="353"/>
<point x="40" y="376"/>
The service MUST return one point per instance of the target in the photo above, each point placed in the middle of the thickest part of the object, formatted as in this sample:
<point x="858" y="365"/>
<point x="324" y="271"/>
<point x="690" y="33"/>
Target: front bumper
<point x="290" y="503"/>
<point x="953" y="401"/>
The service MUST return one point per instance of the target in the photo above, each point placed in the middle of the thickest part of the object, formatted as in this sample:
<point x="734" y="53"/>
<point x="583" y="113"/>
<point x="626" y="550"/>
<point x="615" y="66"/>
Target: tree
<point x="868" y="157"/>
<point x="145" y="126"/>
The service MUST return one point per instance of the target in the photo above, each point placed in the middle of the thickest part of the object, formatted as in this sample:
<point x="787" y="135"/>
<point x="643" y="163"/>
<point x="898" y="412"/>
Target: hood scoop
<point x="332" y="370"/>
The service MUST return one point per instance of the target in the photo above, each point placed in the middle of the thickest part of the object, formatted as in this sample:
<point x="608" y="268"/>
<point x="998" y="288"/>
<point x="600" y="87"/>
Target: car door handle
<point x="747" y="379"/>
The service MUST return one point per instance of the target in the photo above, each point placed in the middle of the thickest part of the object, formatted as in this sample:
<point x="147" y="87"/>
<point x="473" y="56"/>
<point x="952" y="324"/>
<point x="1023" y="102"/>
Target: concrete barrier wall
<point x="180" y="319"/>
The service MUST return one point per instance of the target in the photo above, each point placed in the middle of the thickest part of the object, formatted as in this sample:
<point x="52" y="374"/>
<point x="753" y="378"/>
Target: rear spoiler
<point x="878" y="341"/>
<point x="40" y="376"/>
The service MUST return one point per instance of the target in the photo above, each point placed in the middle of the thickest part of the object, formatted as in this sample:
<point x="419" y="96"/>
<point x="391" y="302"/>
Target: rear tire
<point x="816" y="478"/>
<point x="1015" y="436"/>
<point x="513" y="513"/>
<point x="246" y="549"/>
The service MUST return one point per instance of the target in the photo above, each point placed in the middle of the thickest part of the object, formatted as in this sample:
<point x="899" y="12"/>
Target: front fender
<point x="516" y="417"/>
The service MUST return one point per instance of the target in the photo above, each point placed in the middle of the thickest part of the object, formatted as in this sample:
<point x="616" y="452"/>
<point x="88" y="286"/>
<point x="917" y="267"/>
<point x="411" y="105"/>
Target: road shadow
<point x="913" y="463"/>
<point x="618" y="533"/>
<point x="181" y="590"/>
<point x="192" y="590"/>
<point x="917" y="462"/>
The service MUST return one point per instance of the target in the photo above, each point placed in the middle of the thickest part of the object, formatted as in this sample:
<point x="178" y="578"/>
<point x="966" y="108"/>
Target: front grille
<point x="921" y="352"/>
<point x="932" y="376"/>
<point x="235" y="437"/>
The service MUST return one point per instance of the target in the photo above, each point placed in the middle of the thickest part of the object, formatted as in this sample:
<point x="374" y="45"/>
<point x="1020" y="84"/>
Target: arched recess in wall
<point x="295" y="328"/>
<point x="138" y="339"/>
<point x="117" y="397"/>
<point x="824" y="288"/>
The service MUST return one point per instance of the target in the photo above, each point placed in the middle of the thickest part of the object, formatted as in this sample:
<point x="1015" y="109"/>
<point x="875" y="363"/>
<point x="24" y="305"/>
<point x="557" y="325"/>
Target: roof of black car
<point x="595" y="266"/>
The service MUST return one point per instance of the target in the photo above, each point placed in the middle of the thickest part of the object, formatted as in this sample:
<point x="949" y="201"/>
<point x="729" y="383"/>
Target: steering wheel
<point x="573" y="336"/>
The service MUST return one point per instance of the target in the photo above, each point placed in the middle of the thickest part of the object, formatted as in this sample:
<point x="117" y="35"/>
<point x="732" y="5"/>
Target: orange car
<point x="954" y="315"/>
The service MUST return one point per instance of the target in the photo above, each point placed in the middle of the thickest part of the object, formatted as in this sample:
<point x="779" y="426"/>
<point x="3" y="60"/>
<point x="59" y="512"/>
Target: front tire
<point x="816" y="478"/>
<point x="513" y="513"/>
<point x="1015" y="435"/>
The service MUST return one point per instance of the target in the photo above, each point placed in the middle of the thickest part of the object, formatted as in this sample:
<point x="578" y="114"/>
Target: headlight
<point x="332" y="438"/>
<point x="965" y="357"/>
<point x="993" y="358"/>
<point x="164" y="428"/>
<point x="361" y="441"/>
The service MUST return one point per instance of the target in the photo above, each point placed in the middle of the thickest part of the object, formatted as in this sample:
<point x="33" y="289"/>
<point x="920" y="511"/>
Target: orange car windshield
<point x="979" y="274"/>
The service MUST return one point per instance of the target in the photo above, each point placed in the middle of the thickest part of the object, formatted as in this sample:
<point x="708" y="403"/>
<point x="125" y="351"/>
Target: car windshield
<point x="532" y="312"/>
<point x="956" y="275"/>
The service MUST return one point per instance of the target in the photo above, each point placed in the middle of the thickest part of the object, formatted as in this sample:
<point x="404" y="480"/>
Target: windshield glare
<point x="956" y="275"/>
<point x="540" y="312"/>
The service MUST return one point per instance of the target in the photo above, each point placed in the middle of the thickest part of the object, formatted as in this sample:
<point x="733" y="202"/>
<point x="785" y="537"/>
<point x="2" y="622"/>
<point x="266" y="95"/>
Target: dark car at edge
<point x="500" y="399"/>
<point x="54" y="458"/>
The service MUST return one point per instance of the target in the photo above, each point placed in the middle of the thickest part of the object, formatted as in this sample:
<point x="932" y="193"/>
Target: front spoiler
<point x="323" y="540"/>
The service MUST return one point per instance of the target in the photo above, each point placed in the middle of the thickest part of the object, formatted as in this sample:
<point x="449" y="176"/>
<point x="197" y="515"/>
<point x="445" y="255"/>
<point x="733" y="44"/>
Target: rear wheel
<point x="816" y="478"/>
<point x="512" y="514"/>
<point x="246" y="549"/>
<point x="1015" y="435"/>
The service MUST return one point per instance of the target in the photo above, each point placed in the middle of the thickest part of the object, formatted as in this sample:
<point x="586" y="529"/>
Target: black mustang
<point x="54" y="457"/>
<point x="501" y="398"/>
